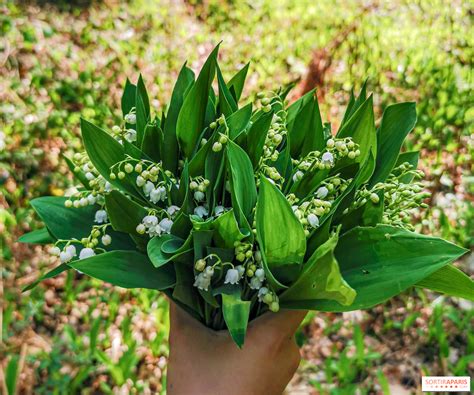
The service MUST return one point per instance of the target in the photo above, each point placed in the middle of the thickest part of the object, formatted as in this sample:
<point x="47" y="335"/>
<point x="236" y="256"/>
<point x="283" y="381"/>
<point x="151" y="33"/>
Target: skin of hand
<point x="207" y="362"/>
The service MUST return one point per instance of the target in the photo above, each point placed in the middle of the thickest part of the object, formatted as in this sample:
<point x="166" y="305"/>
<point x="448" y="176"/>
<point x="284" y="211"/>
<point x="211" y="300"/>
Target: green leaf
<point x="128" y="97"/>
<point x="383" y="261"/>
<point x="320" y="279"/>
<point x="104" y="152"/>
<point x="239" y="121"/>
<point x="170" y="154"/>
<point x="227" y="230"/>
<point x="237" y="82"/>
<point x="256" y="137"/>
<point x="451" y="281"/>
<point x="281" y="234"/>
<point x="142" y="120"/>
<point x="124" y="213"/>
<point x="142" y="93"/>
<point x="165" y="248"/>
<point x="127" y="269"/>
<point x="40" y="236"/>
<point x="184" y="291"/>
<point x="73" y="223"/>
<point x="397" y="121"/>
<point x="361" y="127"/>
<point x="243" y="189"/>
<point x="306" y="131"/>
<point x="152" y="143"/>
<point x="190" y="121"/>
<point x="236" y="314"/>
<point x="227" y="103"/>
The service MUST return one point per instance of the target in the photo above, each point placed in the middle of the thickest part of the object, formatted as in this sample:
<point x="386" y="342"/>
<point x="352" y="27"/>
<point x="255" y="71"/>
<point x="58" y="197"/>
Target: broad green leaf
<point x="256" y="137"/>
<point x="128" y="97"/>
<point x="142" y="93"/>
<point x="165" y="248"/>
<point x="201" y="240"/>
<point x="104" y="152"/>
<point x="383" y="261"/>
<point x="39" y="236"/>
<point x="294" y="108"/>
<point x="243" y="189"/>
<point x="236" y="315"/>
<point x="354" y="103"/>
<point x="397" y="121"/>
<point x="237" y="82"/>
<point x="127" y="269"/>
<point x="306" y="131"/>
<point x="50" y="274"/>
<point x="239" y="121"/>
<point x="197" y="163"/>
<point x="152" y="144"/>
<point x="349" y="107"/>
<point x="227" y="103"/>
<point x="124" y="214"/>
<point x="73" y="223"/>
<point x="142" y="120"/>
<point x="369" y="214"/>
<point x="190" y="121"/>
<point x="320" y="279"/>
<point x="451" y="281"/>
<point x="361" y="127"/>
<point x="170" y="154"/>
<point x="280" y="232"/>
<point x="227" y="230"/>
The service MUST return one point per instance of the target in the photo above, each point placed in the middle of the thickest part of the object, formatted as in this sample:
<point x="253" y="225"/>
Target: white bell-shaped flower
<point x="171" y="210"/>
<point x="148" y="188"/>
<point x="166" y="224"/>
<point x="202" y="281"/>
<point x="218" y="210"/>
<point x="255" y="282"/>
<point x="86" y="253"/>
<point x="106" y="240"/>
<point x="150" y="220"/>
<point x="260" y="274"/>
<point x="100" y="216"/>
<point x="313" y="220"/>
<point x="327" y="158"/>
<point x="199" y="196"/>
<point x="71" y="250"/>
<point x="65" y="256"/>
<point x="201" y="211"/>
<point x="232" y="276"/>
<point x="322" y="192"/>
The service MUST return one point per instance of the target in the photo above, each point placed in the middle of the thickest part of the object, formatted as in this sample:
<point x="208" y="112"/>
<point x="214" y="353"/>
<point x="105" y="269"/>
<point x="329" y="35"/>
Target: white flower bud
<point x="55" y="251"/>
<point x="298" y="175"/>
<point x="89" y="176"/>
<point x="131" y="118"/>
<point x="106" y="240"/>
<point x="330" y="143"/>
<point x="141" y="229"/>
<point x="202" y="281"/>
<point x="131" y="135"/>
<point x="209" y="271"/>
<point x="148" y="188"/>
<point x="140" y="181"/>
<point x="260" y="274"/>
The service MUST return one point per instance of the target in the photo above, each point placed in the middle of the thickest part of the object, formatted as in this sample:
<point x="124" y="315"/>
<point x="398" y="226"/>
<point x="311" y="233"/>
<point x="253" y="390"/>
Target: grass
<point x="75" y="335"/>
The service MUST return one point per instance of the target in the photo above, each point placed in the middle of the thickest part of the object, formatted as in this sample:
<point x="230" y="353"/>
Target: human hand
<point x="207" y="362"/>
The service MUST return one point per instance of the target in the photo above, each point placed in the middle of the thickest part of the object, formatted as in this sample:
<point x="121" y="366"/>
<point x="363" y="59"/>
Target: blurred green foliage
<point x="63" y="61"/>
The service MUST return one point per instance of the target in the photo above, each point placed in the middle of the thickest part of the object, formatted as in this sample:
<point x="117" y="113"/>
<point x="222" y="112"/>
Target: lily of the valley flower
<point x="313" y="220"/>
<point x="201" y="211"/>
<point x="86" y="253"/>
<point x="327" y="158"/>
<point x="165" y="225"/>
<point x="322" y="192"/>
<point x="232" y="276"/>
<point x="100" y="216"/>
<point x="202" y="281"/>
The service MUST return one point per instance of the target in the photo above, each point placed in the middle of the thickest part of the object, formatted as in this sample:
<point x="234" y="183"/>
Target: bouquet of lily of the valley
<point x="235" y="210"/>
